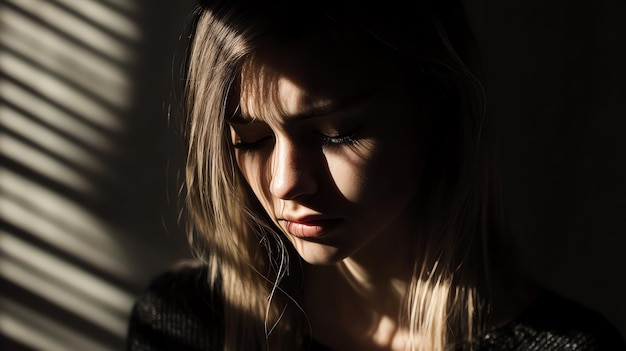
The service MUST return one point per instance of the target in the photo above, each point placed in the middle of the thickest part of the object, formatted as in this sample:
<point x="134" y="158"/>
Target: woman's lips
<point x="310" y="229"/>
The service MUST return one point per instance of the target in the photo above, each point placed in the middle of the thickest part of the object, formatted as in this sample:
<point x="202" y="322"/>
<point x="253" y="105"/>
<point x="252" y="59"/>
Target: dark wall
<point x="154" y="149"/>
<point x="556" y="83"/>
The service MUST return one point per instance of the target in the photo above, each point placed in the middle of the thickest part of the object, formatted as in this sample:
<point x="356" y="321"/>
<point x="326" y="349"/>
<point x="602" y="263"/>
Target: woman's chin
<point x="318" y="254"/>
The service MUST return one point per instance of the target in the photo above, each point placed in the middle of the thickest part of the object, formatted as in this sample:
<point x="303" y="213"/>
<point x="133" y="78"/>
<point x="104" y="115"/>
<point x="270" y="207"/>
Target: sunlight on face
<point x="331" y="146"/>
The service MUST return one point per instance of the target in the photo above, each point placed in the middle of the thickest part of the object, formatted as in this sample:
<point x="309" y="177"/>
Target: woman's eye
<point x="338" y="140"/>
<point x="251" y="146"/>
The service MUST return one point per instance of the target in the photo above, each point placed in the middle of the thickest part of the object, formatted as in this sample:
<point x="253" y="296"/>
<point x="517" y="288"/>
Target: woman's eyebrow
<point x="317" y="110"/>
<point x="314" y="110"/>
<point x="327" y="107"/>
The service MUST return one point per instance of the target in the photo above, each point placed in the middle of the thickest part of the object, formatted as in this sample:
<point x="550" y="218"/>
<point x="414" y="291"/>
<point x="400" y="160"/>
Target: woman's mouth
<point x="310" y="229"/>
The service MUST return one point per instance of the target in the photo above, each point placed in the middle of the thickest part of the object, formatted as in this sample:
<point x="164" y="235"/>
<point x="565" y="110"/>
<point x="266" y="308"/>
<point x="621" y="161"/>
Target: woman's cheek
<point x="349" y="172"/>
<point x="254" y="170"/>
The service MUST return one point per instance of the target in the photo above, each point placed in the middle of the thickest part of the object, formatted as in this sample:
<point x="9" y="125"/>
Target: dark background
<point x="556" y="83"/>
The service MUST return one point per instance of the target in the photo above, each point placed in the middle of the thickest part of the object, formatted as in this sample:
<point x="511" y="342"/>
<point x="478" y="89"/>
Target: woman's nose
<point x="292" y="171"/>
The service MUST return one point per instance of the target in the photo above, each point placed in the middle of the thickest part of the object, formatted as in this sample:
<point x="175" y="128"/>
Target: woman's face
<point x="330" y="142"/>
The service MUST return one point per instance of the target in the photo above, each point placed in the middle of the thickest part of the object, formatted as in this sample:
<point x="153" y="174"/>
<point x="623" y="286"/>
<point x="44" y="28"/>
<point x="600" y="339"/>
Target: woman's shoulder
<point x="554" y="322"/>
<point x="177" y="311"/>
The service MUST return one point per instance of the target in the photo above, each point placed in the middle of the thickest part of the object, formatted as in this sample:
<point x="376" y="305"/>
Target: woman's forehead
<point x="274" y="96"/>
<point x="306" y="77"/>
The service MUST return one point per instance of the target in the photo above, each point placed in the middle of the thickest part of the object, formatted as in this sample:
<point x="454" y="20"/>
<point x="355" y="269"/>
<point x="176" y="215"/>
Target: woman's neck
<point x="356" y="303"/>
<point x="347" y="312"/>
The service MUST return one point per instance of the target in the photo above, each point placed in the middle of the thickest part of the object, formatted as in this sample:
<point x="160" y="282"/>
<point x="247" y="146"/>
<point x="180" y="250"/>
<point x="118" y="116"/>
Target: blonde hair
<point x="247" y="256"/>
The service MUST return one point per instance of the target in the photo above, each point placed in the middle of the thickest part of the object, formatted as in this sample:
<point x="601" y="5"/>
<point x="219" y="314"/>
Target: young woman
<point x="341" y="192"/>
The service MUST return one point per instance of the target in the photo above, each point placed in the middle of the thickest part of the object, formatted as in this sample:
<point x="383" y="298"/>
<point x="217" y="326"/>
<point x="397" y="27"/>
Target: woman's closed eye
<point x="252" y="145"/>
<point x="251" y="136"/>
<point x="326" y="141"/>
<point x="339" y="140"/>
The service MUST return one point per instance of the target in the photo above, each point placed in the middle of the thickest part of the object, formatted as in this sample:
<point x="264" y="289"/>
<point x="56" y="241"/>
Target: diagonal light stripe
<point x="128" y="6"/>
<point x="53" y="143"/>
<point x="63" y="94"/>
<point x="46" y="165"/>
<point x="77" y="28"/>
<point x="105" y="17"/>
<point x="58" y="61"/>
<point x="53" y="116"/>
<point x="67" y="286"/>
<point x="64" y="224"/>
<point x="44" y="42"/>
<point x="40" y="332"/>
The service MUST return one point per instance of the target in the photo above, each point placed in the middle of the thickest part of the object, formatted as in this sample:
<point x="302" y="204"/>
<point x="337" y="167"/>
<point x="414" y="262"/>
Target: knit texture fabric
<point x="179" y="312"/>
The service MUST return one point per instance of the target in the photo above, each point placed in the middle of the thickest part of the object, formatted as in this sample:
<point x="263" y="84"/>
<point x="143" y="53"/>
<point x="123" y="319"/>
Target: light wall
<point x="85" y="220"/>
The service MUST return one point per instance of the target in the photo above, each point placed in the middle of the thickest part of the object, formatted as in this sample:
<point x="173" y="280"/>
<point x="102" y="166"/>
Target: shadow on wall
<point x="84" y="217"/>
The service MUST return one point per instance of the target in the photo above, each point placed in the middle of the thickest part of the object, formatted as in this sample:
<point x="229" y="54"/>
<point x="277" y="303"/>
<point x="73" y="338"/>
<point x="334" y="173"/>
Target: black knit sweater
<point x="179" y="312"/>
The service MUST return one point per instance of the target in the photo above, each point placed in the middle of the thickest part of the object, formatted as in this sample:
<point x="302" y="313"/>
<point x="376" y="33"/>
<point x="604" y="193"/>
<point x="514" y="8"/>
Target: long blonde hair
<point x="248" y="258"/>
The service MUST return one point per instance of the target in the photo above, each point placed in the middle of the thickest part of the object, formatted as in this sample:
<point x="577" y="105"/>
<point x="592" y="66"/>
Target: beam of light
<point x="67" y="96"/>
<point x="105" y="17"/>
<point x="65" y="91"/>
<point x="93" y="78"/>
<point x="66" y="286"/>
<point x="40" y="40"/>
<point x="44" y="164"/>
<point x="51" y="115"/>
<point x="85" y="32"/>
<point x="129" y="7"/>
<point x="54" y="143"/>
<point x="53" y="218"/>
<point x="40" y="332"/>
